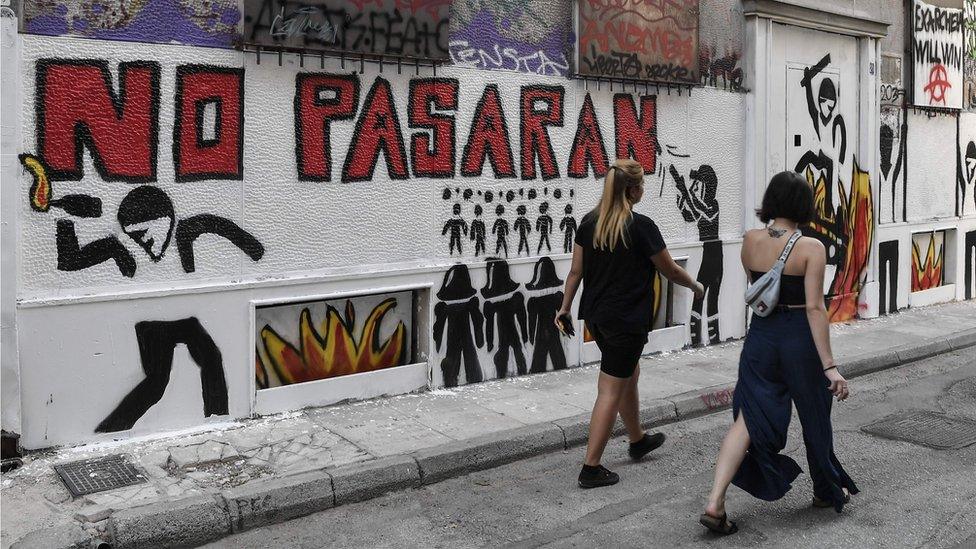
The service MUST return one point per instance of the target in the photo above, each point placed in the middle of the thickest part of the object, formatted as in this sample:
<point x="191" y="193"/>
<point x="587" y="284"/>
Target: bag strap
<point x="789" y="246"/>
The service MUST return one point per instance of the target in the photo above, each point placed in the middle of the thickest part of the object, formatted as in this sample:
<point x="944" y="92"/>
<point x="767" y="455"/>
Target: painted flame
<point x="40" y="191"/>
<point x="928" y="274"/>
<point x="859" y="233"/>
<point x="336" y="352"/>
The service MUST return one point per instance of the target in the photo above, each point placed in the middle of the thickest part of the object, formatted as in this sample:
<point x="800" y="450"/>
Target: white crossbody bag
<point x="763" y="294"/>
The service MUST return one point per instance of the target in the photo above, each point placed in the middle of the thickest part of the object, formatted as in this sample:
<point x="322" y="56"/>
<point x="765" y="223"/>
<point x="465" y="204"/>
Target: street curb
<point x="202" y="519"/>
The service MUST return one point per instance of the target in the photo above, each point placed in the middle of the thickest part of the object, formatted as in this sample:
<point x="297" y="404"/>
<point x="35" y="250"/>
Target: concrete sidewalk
<point x="206" y="485"/>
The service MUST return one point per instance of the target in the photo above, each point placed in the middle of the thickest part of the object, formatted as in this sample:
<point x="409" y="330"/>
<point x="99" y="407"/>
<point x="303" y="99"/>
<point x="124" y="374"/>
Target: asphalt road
<point x="911" y="495"/>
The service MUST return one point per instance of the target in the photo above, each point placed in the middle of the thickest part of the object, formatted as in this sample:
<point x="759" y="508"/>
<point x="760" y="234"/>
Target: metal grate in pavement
<point x="98" y="475"/>
<point x="927" y="428"/>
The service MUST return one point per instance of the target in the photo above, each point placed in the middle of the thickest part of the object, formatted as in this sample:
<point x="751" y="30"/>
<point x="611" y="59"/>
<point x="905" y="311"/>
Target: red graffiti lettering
<point x="208" y="134"/>
<point x="78" y="108"/>
<point x="320" y="99"/>
<point x="534" y="137"/>
<point x="717" y="399"/>
<point x="432" y="154"/>
<point x="636" y="135"/>
<point x="588" y="149"/>
<point x="377" y="130"/>
<point x="488" y="138"/>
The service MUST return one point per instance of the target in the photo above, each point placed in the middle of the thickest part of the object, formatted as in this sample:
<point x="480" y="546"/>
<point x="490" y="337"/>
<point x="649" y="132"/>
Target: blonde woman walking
<point x="615" y="256"/>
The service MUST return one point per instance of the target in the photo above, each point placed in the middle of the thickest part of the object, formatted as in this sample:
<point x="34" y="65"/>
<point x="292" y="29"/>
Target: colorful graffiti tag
<point x="214" y="23"/>
<point x="634" y="39"/>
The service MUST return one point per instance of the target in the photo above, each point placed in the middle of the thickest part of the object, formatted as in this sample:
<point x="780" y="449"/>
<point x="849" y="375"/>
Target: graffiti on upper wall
<point x="844" y="225"/>
<point x="699" y="204"/>
<point x="78" y="109"/>
<point x="638" y="39"/>
<point x="525" y="36"/>
<point x="157" y="340"/>
<point x="722" y="71"/>
<point x="505" y="323"/>
<point x="888" y="277"/>
<point x="480" y="222"/>
<point x="433" y="149"/>
<point x="347" y="343"/>
<point x="969" y="54"/>
<point x="414" y="29"/>
<point x="937" y="47"/>
<point x="892" y="145"/>
<point x="213" y="23"/>
<point x="929" y="271"/>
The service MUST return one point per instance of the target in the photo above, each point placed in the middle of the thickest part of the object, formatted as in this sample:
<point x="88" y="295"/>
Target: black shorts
<point x="620" y="350"/>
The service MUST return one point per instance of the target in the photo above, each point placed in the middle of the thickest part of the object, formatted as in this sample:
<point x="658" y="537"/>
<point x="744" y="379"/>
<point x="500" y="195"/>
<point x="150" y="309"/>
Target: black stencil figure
<point x="458" y="314"/>
<point x="500" y="229"/>
<point x="456" y="226"/>
<point x="699" y="204"/>
<point x="524" y="227"/>
<point x="157" y="341"/>
<point x="543" y="225"/>
<point x="568" y="227"/>
<point x="505" y="310"/>
<point x="822" y="114"/>
<point x="147" y="217"/>
<point x="74" y="257"/>
<point x="542" y="307"/>
<point x="478" y="232"/>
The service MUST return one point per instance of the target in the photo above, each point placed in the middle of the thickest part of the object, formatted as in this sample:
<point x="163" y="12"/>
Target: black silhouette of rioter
<point x="146" y="215"/>
<point x="505" y="309"/>
<point x="699" y="204"/>
<point x="542" y="308"/>
<point x="457" y="313"/>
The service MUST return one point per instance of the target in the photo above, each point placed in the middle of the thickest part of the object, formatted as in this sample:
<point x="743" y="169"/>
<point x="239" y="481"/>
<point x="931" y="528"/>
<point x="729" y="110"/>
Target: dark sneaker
<point x="644" y="446"/>
<point x="594" y="477"/>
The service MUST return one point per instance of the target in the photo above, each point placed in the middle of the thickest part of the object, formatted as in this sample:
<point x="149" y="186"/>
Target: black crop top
<point x="791" y="289"/>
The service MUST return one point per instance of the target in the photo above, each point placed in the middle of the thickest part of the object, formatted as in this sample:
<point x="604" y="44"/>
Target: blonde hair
<point x="614" y="210"/>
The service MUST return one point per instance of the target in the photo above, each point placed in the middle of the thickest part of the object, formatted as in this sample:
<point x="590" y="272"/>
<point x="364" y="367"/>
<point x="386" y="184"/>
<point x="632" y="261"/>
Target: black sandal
<point x="720" y="525"/>
<point x="825" y="503"/>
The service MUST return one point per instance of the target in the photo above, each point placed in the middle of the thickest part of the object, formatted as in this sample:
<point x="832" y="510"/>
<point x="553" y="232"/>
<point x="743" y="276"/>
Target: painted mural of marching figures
<point x="542" y="307"/>
<point x="458" y="315"/>
<point x="699" y="205"/>
<point x="505" y="316"/>
<point x="568" y="227"/>
<point x="146" y="215"/>
<point x="844" y="225"/>
<point x="157" y="341"/>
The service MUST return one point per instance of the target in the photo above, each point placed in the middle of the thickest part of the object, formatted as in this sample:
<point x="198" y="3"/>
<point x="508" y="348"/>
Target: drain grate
<point x="98" y="475"/>
<point x="927" y="428"/>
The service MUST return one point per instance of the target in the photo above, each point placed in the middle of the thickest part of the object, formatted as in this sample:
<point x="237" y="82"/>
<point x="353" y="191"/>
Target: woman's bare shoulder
<point x="752" y="234"/>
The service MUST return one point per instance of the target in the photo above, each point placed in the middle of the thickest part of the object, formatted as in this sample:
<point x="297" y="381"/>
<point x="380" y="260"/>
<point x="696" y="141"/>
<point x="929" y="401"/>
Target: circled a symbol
<point x="938" y="84"/>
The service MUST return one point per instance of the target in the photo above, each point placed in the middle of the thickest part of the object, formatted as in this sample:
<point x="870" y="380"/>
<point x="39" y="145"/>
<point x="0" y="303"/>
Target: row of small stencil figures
<point x="477" y="232"/>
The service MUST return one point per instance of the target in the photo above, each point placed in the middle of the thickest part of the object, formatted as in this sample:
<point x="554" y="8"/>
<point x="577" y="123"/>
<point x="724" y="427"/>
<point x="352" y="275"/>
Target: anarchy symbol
<point x="938" y="83"/>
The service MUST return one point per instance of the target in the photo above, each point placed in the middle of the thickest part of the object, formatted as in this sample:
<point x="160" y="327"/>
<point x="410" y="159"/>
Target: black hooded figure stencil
<point x="458" y="314"/>
<point x="699" y="204"/>
<point x="568" y="226"/>
<point x="505" y="310"/>
<point x="455" y="225"/>
<point x="542" y="307"/>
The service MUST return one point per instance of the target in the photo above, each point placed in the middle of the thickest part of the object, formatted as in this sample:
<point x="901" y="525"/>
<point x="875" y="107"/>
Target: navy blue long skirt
<point x="779" y="364"/>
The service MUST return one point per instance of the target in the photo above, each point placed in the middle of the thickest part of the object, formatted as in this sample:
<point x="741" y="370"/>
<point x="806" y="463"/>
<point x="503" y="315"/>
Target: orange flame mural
<point x="337" y="351"/>
<point x="928" y="274"/>
<point x="40" y="191"/>
<point x="857" y="216"/>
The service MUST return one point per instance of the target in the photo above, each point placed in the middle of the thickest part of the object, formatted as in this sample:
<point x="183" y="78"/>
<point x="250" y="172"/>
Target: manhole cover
<point x="97" y="475"/>
<point x="932" y="429"/>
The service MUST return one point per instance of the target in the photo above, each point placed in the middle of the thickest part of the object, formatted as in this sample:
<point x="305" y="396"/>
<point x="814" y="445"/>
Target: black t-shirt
<point x="618" y="285"/>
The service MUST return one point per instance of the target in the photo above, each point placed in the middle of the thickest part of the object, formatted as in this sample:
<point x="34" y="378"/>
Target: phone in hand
<point x="566" y="323"/>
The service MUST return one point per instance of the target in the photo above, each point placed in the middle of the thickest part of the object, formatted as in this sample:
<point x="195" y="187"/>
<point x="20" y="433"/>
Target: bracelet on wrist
<point x="831" y="368"/>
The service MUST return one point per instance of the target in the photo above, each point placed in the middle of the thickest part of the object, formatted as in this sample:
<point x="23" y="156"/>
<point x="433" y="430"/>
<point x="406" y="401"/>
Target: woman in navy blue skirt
<point x="786" y="357"/>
